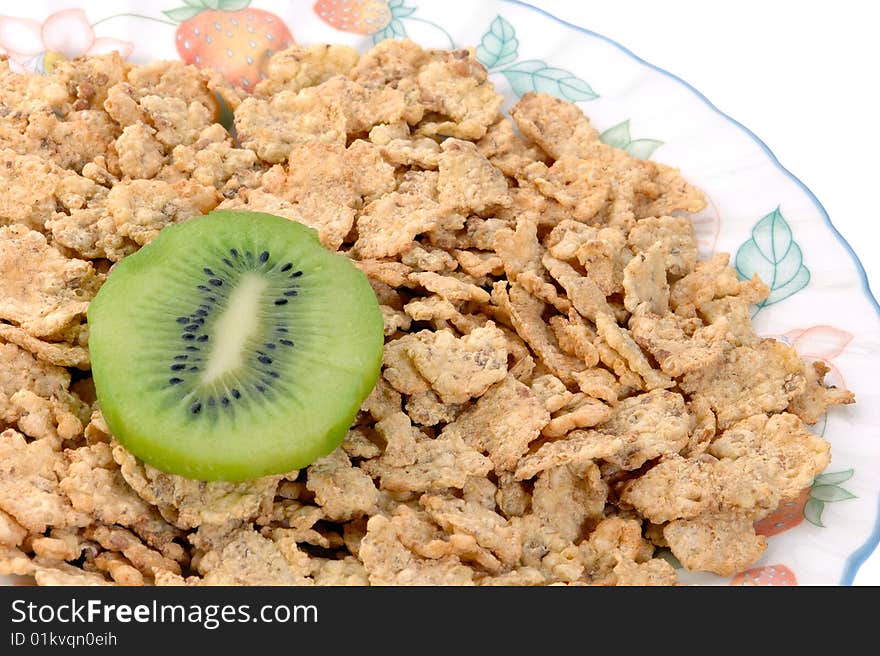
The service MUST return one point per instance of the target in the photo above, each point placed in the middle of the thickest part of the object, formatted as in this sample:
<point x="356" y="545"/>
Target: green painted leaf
<point x="617" y="136"/>
<point x="499" y="45"/>
<point x="182" y="14"/>
<point x="643" y="148"/>
<point x="401" y="11"/>
<point x="830" y="493"/>
<point x="813" y="512"/>
<point x="535" y="75"/>
<point x="834" y="478"/>
<point x="394" y="30"/>
<point x="773" y="254"/>
<point x="200" y="3"/>
<point x="233" y="5"/>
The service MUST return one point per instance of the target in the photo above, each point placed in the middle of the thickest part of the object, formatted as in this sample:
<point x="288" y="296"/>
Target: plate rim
<point x="858" y="557"/>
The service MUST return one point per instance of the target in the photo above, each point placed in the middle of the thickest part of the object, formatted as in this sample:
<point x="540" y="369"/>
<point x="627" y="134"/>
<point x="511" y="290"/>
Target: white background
<point x="802" y="75"/>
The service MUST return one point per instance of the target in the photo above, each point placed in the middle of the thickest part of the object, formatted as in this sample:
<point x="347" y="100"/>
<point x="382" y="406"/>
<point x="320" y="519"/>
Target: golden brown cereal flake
<point x="343" y="491"/>
<point x="457" y="86"/>
<point x="272" y="128"/>
<point x="605" y="257"/>
<point x="216" y="163"/>
<point x="582" y="291"/>
<point x="83" y="82"/>
<point x="749" y="381"/>
<point x="357" y="444"/>
<point x="401" y="149"/>
<point x="566" y="497"/>
<point x="675" y="237"/>
<point x="389" y="562"/>
<point x="417" y="463"/>
<point x="459" y="368"/>
<point x="428" y="258"/>
<point x="526" y="316"/>
<point x="12" y="533"/>
<point x="721" y="544"/>
<point x="391" y="60"/>
<point x="365" y="107"/>
<point x="140" y="208"/>
<point x="49" y="420"/>
<point x="714" y="279"/>
<point x="247" y="558"/>
<point x="645" y="287"/>
<point x="788" y="455"/>
<point x="332" y="221"/>
<point x="21" y="372"/>
<point x="558" y="127"/>
<point x="580" y="187"/>
<point x="398" y="368"/>
<point x="581" y="412"/>
<point x="95" y="486"/>
<point x="382" y="401"/>
<point x="62" y="354"/>
<point x="479" y="263"/>
<point x="395" y="320"/>
<point x="148" y="561"/>
<point x="651" y="425"/>
<point x="42" y="291"/>
<point x="575" y="337"/>
<point x="71" y="141"/>
<point x="577" y="448"/>
<point x="507" y="151"/>
<point x="299" y="67"/>
<point x="502" y="423"/>
<point x="490" y="530"/>
<point x="388" y="225"/>
<point x="332" y="173"/>
<point x="29" y="492"/>
<point x="140" y="154"/>
<point x="187" y="503"/>
<point x="346" y="572"/>
<point x="552" y="392"/>
<point x="815" y="400"/>
<point x="426" y="409"/>
<point x="23" y="201"/>
<point x="468" y="182"/>
<point x="598" y="383"/>
<point x="676" y="351"/>
<point x="175" y="122"/>
<point x="173" y="79"/>
<point x="675" y="488"/>
<point x="621" y="341"/>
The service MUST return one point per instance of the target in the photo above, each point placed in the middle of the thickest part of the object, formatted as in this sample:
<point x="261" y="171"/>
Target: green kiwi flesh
<point x="233" y="346"/>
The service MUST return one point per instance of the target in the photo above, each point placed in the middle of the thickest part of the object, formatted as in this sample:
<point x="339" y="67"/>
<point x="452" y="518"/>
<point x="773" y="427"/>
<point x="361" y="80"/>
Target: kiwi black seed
<point x="234" y="346"/>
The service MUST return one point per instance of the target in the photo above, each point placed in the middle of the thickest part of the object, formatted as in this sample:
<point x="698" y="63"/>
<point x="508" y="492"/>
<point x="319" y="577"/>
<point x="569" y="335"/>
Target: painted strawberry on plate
<point x="230" y="36"/>
<point x="809" y="504"/>
<point x="355" y="16"/>
<point x="769" y="575"/>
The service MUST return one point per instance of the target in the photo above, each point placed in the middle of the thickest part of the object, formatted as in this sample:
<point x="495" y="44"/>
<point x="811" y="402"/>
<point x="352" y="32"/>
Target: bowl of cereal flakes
<point x="515" y="325"/>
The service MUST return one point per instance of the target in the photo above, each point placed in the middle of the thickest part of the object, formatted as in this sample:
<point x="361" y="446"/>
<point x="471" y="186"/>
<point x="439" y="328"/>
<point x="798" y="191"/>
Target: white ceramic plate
<point x="758" y="211"/>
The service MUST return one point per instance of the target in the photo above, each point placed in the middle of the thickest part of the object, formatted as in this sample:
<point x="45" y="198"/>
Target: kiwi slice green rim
<point x="234" y="346"/>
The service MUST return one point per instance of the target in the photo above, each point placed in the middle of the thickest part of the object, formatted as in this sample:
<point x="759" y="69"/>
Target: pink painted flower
<point x="820" y="343"/>
<point x="34" y="47"/>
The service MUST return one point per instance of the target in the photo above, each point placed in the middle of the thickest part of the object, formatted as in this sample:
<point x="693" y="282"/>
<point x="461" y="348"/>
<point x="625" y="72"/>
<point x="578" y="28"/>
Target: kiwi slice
<point x="234" y="346"/>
